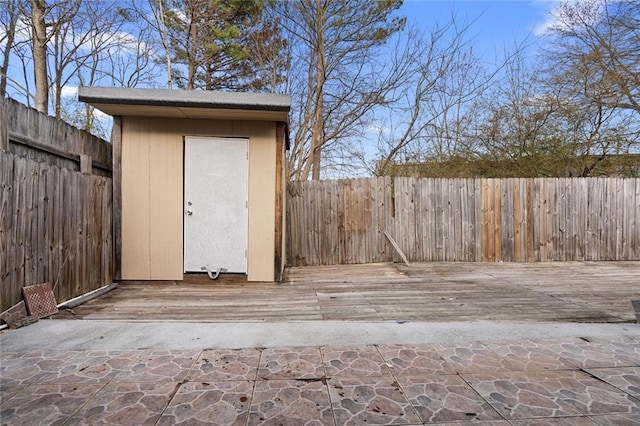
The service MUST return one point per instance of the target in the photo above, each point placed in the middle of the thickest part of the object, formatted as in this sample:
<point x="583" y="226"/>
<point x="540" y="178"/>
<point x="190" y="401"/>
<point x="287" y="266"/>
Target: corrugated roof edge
<point x="185" y="98"/>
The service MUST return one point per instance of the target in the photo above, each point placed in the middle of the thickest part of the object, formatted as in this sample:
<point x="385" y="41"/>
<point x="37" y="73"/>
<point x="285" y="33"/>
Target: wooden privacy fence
<point x="55" y="221"/>
<point x="471" y="220"/>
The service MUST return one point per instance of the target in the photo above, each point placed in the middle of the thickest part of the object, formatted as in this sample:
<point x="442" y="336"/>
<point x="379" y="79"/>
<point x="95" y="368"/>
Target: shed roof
<point x="187" y="103"/>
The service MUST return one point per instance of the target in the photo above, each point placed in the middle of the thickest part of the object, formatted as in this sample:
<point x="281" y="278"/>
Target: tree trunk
<point x="165" y="44"/>
<point x="57" y="78"/>
<point x="6" y="54"/>
<point x="317" y="138"/>
<point x="317" y="128"/>
<point x="39" y="33"/>
<point x="193" y="35"/>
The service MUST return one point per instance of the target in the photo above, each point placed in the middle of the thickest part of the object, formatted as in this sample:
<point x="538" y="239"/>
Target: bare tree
<point x="47" y="23"/>
<point x="159" y="18"/>
<point x="592" y="62"/>
<point x="9" y="15"/>
<point x="600" y="41"/>
<point x="531" y="127"/>
<point x="336" y="77"/>
<point x="92" y="44"/>
<point x="84" y="43"/>
<point x="20" y="61"/>
<point x="39" y="43"/>
<point x="151" y="18"/>
<point x="437" y="107"/>
<point x="518" y="127"/>
<point x="570" y="113"/>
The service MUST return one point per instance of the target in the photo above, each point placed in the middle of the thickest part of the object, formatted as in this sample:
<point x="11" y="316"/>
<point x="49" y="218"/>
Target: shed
<point x="198" y="181"/>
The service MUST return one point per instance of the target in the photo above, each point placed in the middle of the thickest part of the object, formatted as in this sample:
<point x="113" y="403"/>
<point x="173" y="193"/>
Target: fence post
<point x="85" y="164"/>
<point x="4" y="126"/>
<point x="116" y="143"/>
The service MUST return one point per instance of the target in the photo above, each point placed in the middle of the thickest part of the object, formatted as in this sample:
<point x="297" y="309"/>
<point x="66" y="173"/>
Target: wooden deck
<point x="553" y="292"/>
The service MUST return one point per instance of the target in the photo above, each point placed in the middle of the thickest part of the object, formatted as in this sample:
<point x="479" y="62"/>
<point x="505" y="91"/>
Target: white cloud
<point x="69" y="91"/>
<point x="563" y="15"/>
<point x="180" y="15"/>
<point x="377" y="129"/>
<point x="101" y="115"/>
<point x="22" y="32"/>
<point x="543" y="28"/>
<point x="113" y="43"/>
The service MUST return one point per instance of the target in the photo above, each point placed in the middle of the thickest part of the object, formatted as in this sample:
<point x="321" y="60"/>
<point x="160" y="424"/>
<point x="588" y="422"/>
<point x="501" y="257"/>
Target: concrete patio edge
<point x="59" y="335"/>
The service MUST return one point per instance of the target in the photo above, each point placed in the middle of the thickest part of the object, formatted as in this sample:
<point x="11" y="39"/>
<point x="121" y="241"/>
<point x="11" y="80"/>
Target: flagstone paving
<point x="564" y="381"/>
<point x="225" y="364"/>
<point x="126" y="403"/>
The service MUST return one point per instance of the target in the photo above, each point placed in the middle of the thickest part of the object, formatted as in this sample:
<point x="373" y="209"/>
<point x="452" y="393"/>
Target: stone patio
<point x="507" y="344"/>
<point x="573" y="381"/>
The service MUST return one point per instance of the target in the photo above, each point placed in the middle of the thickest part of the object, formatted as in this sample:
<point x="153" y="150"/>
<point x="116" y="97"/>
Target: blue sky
<point x="498" y="24"/>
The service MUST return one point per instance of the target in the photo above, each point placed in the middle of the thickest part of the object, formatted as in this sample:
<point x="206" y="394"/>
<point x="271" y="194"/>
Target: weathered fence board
<point x="55" y="222"/>
<point x="55" y="226"/>
<point x="489" y="220"/>
<point x="34" y="135"/>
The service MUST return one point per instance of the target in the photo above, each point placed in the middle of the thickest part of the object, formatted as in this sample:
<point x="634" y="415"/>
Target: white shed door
<point x="215" y="204"/>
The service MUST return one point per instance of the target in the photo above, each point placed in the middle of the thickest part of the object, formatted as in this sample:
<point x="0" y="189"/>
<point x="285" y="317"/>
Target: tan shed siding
<point x="166" y="218"/>
<point x="135" y="199"/>
<point x="152" y="192"/>
<point x="262" y="200"/>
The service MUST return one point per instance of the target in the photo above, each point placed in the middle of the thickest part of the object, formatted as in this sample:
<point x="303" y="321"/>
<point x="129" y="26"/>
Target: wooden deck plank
<point x="559" y="291"/>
